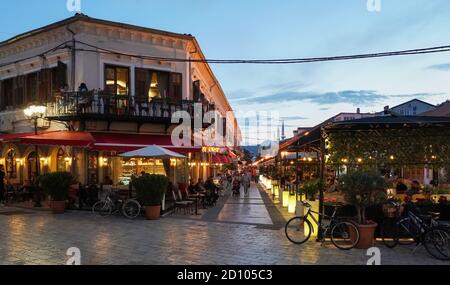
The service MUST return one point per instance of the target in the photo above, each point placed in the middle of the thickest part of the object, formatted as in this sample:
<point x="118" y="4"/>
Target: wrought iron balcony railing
<point x="97" y="105"/>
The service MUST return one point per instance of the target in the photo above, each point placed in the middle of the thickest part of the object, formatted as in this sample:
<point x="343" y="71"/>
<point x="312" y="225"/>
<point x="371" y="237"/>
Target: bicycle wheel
<point x="407" y="233"/>
<point x="298" y="230"/>
<point x="102" y="208"/>
<point x="389" y="232"/>
<point x="437" y="243"/>
<point x="345" y="235"/>
<point x="131" y="209"/>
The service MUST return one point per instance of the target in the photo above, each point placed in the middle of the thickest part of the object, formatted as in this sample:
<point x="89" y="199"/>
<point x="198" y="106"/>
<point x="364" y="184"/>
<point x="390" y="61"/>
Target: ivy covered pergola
<point x="389" y="141"/>
<point x="376" y="143"/>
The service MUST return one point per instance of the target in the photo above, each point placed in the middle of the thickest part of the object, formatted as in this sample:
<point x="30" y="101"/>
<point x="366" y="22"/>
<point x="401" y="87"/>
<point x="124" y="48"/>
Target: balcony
<point x="79" y="106"/>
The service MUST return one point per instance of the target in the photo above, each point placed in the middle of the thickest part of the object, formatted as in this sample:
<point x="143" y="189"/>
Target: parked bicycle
<point x="414" y="228"/>
<point x="112" y="204"/>
<point x="343" y="233"/>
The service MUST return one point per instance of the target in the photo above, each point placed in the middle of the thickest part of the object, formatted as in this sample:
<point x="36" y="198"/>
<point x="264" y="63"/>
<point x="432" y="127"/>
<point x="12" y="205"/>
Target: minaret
<point x="278" y="133"/>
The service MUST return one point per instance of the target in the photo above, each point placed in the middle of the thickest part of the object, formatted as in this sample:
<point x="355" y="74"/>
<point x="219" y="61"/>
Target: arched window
<point x="61" y="160"/>
<point x="11" y="165"/>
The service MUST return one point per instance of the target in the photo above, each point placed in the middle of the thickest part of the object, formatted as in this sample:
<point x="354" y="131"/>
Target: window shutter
<point x="44" y="85"/>
<point x="142" y="83"/>
<point x="175" y="87"/>
<point x="196" y="91"/>
<point x="61" y="76"/>
<point x="19" y="90"/>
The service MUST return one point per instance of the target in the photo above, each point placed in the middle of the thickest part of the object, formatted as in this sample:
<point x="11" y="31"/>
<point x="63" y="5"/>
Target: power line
<point x="96" y="49"/>
<point x="58" y="47"/>
<point x="439" y="49"/>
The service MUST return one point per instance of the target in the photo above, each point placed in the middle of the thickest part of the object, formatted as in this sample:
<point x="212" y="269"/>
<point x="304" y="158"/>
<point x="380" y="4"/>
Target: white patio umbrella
<point x="153" y="151"/>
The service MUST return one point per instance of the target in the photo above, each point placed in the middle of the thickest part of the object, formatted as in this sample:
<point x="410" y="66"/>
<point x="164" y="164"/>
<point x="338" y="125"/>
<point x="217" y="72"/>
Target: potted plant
<point x="56" y="185"/>
<point x="363" y="190"/>
<point x="150" y="191"/>
<point x="311" y="188"/>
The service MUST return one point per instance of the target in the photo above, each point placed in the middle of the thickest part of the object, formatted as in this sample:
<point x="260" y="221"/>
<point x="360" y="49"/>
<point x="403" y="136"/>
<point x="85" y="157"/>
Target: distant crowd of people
<point x="231" y="182"/>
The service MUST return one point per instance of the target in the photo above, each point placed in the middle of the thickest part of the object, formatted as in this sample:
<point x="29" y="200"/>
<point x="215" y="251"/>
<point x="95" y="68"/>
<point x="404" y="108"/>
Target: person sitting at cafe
<point x="200" y="186"/>
<point x="415" y="188"/>
<point x="107" y="181"/>
<point x="211" y="191"/>
<point x="192" y="189"/>
<point x="401" y="187"/>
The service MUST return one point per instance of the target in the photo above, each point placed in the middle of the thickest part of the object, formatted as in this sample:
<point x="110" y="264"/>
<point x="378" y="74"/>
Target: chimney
<point x="358" y="111"/>
<point x="386" y="110"/>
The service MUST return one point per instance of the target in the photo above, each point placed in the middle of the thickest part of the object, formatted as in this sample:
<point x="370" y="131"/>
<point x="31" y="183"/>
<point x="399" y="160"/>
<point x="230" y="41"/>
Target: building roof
<point x="85" y="18"/>
<point x="442" y="110"/>
<point x="391" y="122"/>
<point x="417" y="100"/>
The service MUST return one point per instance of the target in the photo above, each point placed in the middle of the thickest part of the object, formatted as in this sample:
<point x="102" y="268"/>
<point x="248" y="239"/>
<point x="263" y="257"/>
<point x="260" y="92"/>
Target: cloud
<point x="418" y="95"/>
<point x="286" y="86"/>
<point x="440" y="67"/>
<point x="243" y="95"/>
<point x="360" y="98"/>
<point x="355" y="97"/>
<point x="293" y="118"/>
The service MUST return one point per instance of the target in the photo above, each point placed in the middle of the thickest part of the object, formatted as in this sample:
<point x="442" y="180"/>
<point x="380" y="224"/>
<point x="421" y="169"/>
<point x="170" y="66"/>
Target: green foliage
<point x="395" y="147"/>
<point x="57" y="185"/>
<point x="362" y="190"/>
<point x="311" y="188"/>
<point x="150" y="189"/>
<point x="441" y="191"/>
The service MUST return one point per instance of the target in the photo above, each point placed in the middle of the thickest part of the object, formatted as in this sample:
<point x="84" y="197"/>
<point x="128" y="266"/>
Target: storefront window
<point x="135" y="167"/>
<point x="11" y="165"/>
<point x="92" y="168"/>
<point x="61" y="160"/>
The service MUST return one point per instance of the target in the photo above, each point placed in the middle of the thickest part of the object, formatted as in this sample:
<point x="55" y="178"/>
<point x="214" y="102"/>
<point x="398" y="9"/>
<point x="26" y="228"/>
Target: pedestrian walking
<point x="246" y="181"/>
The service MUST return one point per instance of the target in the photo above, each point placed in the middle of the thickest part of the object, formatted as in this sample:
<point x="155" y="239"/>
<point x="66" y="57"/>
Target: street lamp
<point x="34" y="113"/>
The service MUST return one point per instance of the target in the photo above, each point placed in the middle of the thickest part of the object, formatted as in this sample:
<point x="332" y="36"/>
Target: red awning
<point x="64" y="138"/>
<point x="115" y="142"/>
<point x="17" y="136"/>
<point x="232" y="155"/>
<point x="227" y="160"/>
<point x="221" y="159"/>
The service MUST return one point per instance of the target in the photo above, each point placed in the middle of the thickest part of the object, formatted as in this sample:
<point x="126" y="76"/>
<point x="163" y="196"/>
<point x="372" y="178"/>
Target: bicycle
<point x="420" y="230"/>
<point x="343" y="233"/>
<point x="112" y="204"/>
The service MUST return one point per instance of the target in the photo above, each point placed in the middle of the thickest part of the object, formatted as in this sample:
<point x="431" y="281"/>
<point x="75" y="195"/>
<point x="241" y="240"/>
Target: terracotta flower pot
<point x="366" y="235"/>
<point x="58" y="207"/>
<point x="153" y="212"/>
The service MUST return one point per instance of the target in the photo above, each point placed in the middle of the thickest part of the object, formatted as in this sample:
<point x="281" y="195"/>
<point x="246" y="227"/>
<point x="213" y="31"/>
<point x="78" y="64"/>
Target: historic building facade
<point x="108" y="88"/>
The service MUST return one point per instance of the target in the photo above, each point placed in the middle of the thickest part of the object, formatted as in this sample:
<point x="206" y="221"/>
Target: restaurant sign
<point x="210" y="149"/>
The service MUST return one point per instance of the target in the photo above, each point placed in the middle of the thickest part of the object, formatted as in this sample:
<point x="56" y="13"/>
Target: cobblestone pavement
<point x="36" y="237"/>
